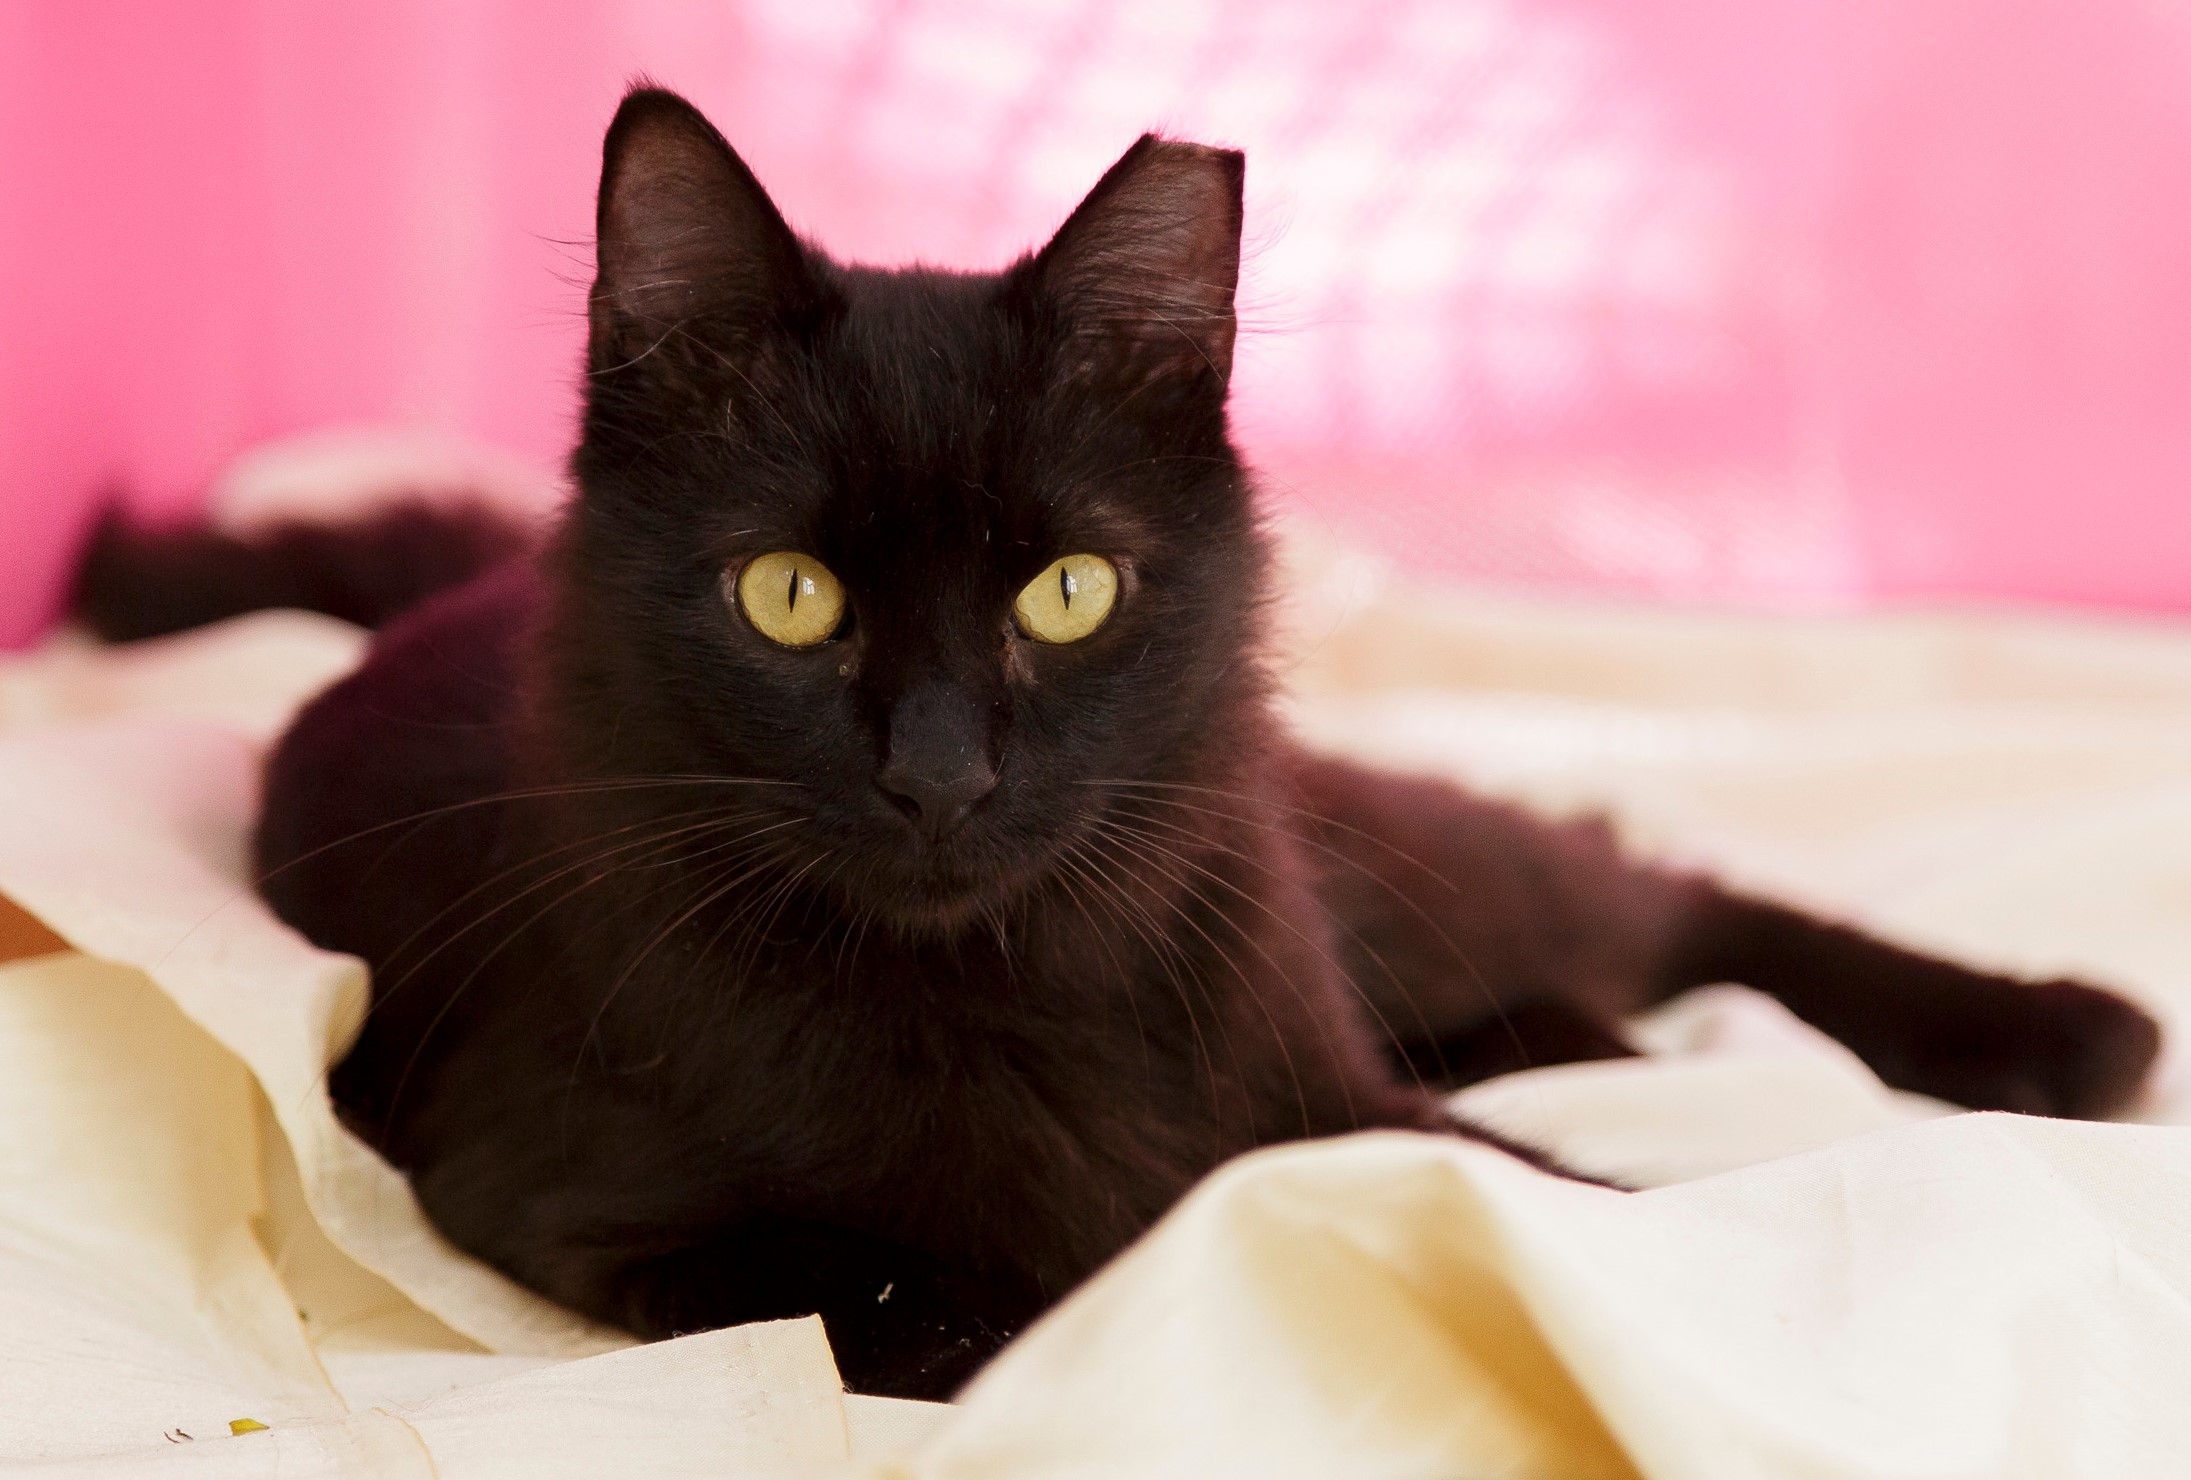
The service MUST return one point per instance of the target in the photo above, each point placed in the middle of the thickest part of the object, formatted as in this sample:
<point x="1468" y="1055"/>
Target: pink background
<point x="1793" y="301"/>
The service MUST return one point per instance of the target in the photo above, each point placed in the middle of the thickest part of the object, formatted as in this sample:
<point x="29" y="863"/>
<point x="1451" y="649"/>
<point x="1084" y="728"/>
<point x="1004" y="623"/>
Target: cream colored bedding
<point x="1830" y="1280"/>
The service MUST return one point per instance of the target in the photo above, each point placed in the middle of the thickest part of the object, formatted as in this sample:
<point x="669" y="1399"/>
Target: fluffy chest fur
<point x="1028" y="1102"/>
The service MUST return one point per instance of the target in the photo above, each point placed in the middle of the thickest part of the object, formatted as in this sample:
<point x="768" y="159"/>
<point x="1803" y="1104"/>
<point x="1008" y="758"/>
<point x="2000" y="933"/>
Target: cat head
<point x="936" y="555"/>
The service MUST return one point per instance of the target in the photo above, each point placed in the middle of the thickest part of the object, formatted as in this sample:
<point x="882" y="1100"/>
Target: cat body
<point x="659" y="1080"/>
<point x="904" y="962"/>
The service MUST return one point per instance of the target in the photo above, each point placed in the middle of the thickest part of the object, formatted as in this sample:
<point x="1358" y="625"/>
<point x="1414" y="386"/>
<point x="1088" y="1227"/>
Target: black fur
<point x="140" y="581"/>
<point x="680" y="1019"/>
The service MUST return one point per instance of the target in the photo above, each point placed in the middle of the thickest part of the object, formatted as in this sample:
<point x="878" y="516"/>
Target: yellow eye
<point x="791" y="598"/>
<point x="1069" y="600"/>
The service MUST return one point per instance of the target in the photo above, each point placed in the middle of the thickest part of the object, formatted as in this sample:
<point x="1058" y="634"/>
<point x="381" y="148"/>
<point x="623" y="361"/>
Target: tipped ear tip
<point x="643" y="93"/>
<point x="646" y="104"/>
<point x="1225" y="169"/>
<point x="1232" y="161"/>
<point x="1231" y="164"/>
<point x="656" y="131"/>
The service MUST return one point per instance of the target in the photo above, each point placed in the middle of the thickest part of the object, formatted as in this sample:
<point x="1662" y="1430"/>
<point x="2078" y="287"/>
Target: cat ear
<point x="1144" y="269"/>
<point x="683" y="232"/>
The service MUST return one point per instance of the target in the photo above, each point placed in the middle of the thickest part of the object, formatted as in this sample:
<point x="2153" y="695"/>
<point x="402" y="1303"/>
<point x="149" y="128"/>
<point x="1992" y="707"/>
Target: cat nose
<point x="939" y="762"/>
<point x="937" y="803"/>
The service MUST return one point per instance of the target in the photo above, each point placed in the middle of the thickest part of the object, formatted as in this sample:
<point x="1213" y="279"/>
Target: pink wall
<point x="1811" y="301"/>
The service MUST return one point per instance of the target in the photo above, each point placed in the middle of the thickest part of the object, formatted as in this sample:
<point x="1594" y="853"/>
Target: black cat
<point x="855" y="868"/>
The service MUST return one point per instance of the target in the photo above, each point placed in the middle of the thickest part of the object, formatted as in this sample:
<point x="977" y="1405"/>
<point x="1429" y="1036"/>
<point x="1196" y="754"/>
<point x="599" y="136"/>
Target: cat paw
<point x="2065" y="1049"/>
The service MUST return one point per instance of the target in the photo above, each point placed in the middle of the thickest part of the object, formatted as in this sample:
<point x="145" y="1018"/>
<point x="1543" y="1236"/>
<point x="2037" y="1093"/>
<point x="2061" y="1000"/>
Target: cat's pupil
<point x="791" y="600"/>
<point x="1065" y="586"/>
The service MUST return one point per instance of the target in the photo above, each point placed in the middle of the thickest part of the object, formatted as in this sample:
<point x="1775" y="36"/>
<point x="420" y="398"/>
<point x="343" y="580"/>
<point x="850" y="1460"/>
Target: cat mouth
<point x="929" y="908"/>
<point x="941" y="886"/>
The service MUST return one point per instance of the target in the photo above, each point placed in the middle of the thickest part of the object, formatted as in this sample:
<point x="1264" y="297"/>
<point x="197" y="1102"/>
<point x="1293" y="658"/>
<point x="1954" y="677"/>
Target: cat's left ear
<point x="685" y="235"/>
<point x="1143" y="271"/>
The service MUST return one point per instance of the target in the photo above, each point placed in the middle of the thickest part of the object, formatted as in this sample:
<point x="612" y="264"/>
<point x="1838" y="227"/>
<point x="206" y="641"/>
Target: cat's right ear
<point x="686" y="239"/>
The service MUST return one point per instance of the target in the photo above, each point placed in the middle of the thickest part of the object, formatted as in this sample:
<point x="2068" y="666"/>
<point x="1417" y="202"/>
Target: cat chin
<point x="936" y="909"/>
<point x="940" y="918"/>
<point x="966" y="882"/>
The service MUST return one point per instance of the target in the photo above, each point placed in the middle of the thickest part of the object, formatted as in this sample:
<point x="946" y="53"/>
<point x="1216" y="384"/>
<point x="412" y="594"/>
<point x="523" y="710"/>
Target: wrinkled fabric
<point x="1975" y="1297"/>
<point x="145" y="1304"/>
<point x="1827" y="1279"/>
